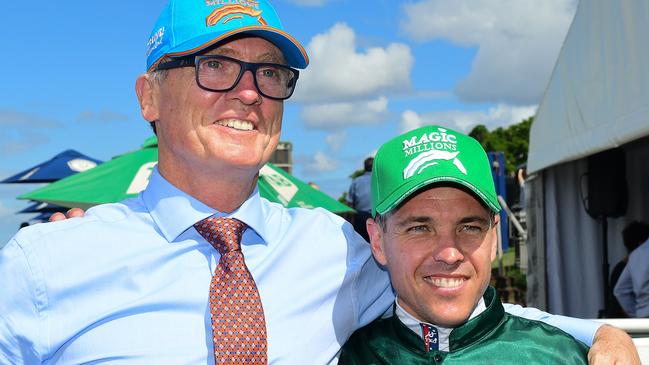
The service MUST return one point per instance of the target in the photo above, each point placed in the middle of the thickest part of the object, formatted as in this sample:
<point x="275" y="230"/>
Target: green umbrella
<point x="279" y="186"/>
<point x="128" y="174"/>
<point x="120" y="178"/>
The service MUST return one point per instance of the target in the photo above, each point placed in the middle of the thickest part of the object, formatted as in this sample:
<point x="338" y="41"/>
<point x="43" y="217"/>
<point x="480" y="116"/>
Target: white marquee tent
<point x="597" y="99"/>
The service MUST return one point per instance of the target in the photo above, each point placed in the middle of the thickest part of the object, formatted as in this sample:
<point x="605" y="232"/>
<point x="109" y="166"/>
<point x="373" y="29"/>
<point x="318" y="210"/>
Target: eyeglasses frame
<point x="194" y="60"/>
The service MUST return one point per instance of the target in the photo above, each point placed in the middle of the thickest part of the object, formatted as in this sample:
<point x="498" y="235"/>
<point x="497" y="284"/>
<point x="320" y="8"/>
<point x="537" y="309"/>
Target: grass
<point x="509" y="259"/>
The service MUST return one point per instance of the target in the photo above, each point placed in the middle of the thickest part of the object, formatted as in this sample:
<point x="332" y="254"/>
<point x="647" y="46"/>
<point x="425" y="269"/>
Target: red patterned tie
<point x="238" y="324"/>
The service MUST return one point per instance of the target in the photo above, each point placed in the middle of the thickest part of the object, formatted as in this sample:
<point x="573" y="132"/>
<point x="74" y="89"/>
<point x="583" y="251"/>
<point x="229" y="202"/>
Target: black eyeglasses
<point x="222" y="73"/>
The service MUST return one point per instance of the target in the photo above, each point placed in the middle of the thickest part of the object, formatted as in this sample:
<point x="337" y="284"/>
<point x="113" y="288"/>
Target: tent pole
<point x="605" y="268"/>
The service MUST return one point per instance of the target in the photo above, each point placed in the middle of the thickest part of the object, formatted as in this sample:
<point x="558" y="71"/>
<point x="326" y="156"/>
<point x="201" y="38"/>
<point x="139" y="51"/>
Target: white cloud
<point x="336" y="140"/>
<point x="410" y="120"/>
<point x="104" y="116"/>
<point x="500" y="115"/>
<point x="321" y="162"/>
<point x="518" y="42"/>
<point x="339" y="72"/>
<point x="5" y="211"/>
<point x="20" y="131"/>
<point x="21" y="141"/>
<point x="337" y="115"/>
<point x="16" y="118"/>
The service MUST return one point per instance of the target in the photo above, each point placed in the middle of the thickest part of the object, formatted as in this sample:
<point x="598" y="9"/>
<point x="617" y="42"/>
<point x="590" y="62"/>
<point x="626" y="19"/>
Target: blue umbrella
<point x="43" y="217"/>
<point x="62" y="165"/>
<point x="40" y="207"/>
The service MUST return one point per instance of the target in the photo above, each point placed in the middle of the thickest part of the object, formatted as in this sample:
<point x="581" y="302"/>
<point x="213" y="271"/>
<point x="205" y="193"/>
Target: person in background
<point x="359" y="198"/>
<point x="434" y="227"/>
<point x="632" y="288"/>
<point x="632" y="236"/>
<point x="199" y="268"/>
<point x="521" y="175"/>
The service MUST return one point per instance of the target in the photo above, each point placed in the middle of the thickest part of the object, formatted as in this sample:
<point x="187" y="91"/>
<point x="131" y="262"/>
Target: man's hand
<point x="612" y="346"/>
<point x="72" y="213"/>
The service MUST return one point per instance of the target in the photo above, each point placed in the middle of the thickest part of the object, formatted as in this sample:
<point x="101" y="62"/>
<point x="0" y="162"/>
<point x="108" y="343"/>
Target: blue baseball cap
<point x="186" y="27"/>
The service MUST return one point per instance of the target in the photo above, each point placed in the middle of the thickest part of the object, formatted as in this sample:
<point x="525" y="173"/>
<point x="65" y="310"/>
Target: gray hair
<point x="382" y="219"/>
<point x="156" y="75"/>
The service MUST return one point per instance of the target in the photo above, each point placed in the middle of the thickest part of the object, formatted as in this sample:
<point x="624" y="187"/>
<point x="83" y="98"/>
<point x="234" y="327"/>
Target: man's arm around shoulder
<point x="609" y="345"/>
<point x="612" y="346"/>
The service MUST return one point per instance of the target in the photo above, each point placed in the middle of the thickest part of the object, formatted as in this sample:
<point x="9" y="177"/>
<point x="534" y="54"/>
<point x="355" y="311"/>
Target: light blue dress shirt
<point x="632" y="288"/>
<point x="360" y="195"/>
<point x="129" y="283"/>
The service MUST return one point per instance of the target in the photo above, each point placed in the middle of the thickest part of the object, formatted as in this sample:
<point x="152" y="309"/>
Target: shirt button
<point x="438" y="358"/>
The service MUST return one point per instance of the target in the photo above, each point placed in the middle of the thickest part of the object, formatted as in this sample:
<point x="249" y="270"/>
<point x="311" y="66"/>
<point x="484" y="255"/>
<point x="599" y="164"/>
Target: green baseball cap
<point x="425" y="156"/>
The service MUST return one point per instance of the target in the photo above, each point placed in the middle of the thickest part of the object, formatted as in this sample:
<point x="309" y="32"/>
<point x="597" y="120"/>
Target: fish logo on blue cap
<point x="231" y="12"/>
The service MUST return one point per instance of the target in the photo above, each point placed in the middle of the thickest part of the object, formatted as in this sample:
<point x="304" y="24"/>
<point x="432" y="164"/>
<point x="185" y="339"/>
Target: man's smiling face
<point x="438" y="247"/>
<point x="207" y="131"/>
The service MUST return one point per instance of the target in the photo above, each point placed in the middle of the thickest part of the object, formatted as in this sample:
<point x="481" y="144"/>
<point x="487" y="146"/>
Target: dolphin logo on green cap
<point x="421" y="162"/>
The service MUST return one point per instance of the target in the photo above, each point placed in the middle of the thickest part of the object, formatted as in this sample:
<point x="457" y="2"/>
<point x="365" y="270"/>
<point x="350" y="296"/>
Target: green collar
<point x="462" y="336"/>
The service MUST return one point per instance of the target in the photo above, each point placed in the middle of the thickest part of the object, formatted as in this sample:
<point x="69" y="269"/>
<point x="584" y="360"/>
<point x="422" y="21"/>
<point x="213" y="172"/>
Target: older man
<point x="199" y="268"/>
<point x="435" y="229"/>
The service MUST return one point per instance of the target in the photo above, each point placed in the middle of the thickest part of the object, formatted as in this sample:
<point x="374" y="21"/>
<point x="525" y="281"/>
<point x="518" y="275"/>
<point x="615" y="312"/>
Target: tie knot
<point x="222" y="233"/>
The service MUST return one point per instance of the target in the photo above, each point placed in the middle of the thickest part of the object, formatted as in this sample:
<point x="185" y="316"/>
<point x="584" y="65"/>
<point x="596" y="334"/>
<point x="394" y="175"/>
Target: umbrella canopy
<point x="279" y="186"/>
<point x="62" y="165"/>
<point x="41" y="207"/>
<point x="43" y="217"/>
<point x="120" y="178"/>
<point x="128" y="174"/>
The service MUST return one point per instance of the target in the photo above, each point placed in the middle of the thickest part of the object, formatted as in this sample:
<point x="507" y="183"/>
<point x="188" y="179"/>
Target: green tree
<point x="479" y="132"/>
<point x="357" y="173"/>
<point x="512" y="140"/>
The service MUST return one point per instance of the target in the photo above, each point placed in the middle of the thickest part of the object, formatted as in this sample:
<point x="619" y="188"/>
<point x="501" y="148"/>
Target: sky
<point x="377" y="69"/>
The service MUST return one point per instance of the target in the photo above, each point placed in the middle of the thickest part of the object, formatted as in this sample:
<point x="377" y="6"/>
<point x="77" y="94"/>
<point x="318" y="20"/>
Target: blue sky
<point x="378" y="68"/>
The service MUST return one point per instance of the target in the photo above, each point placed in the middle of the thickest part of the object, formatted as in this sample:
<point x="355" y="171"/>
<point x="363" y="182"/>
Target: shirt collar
<point x="175" y="211"/>
<point x="443" y="332"/>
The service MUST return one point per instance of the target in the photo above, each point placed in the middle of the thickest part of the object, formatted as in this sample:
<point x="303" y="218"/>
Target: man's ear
<point x="494" y="236"/>
<point x="375" y="231"/>
<point x="147" y="94"/>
